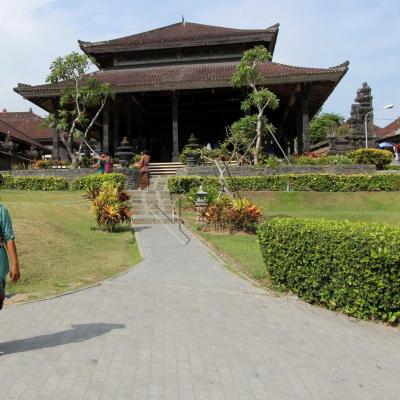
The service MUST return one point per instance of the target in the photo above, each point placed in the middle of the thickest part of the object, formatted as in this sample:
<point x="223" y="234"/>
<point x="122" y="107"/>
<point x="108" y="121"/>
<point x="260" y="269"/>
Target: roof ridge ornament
<point x="341" y="66"/>
<point x="274" y="27"/>
<point x="183" y="20"/>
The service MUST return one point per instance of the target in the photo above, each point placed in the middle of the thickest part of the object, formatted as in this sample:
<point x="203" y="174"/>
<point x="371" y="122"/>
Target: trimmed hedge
<point x="295" y="182"/>
<point x="35" y="183"/>
<point x="96" y="180"/>
<point x="348" y="266"/>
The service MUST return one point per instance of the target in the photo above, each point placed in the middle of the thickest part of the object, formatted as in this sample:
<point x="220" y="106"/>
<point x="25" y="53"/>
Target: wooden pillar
<point x="175" y="127"/>
<point x="106" y="129"/>
<point x="116" y="135"/>
<point x="305" y="120"/>
<point x="129" y="124"/>
<point x="56" y="144"/>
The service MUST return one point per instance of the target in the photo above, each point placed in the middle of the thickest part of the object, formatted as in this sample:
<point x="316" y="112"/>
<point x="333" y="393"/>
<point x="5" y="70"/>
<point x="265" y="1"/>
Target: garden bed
<point x="59" y="247"/>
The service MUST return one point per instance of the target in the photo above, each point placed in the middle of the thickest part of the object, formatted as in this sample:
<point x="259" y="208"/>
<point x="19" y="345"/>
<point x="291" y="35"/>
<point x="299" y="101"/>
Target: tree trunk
<point x="71" y="154"/>
<point x="258" y="137"/>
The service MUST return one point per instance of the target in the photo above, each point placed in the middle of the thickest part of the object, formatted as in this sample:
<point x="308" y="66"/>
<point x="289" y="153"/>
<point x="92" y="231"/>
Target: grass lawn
<point x="243" y="250"/>
<point x="58" y="247"/>
<point x="355" y="206"/>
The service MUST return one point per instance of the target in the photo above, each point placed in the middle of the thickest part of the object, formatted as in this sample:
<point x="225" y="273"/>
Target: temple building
<point x="174" y="81"/>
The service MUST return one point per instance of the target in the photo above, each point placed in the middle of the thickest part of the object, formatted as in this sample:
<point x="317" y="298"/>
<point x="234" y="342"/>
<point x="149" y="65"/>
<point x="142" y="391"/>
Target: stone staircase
<point x="167" y="168"/>
<point x="152" y="206"/>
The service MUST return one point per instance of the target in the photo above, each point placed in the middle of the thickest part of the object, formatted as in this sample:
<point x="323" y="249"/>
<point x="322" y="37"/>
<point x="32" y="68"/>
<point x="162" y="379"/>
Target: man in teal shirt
<point x="7" y="250"/>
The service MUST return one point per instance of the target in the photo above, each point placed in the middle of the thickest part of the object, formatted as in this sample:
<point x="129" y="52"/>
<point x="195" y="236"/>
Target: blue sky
<point x="319" y="33"/>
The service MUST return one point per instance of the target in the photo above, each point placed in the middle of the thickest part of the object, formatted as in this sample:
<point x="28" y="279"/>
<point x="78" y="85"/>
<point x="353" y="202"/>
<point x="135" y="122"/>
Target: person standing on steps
<point x="144" y="170"/>
<point x="101" y="164"/>
<point x="7" y="250"/>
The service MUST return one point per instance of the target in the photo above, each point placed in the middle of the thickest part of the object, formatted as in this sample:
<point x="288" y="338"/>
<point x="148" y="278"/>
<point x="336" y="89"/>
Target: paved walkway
<point x="179" y="326"/>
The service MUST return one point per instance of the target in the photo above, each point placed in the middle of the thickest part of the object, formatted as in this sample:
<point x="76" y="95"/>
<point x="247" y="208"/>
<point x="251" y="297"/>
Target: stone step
<point x="150" y="210"/>
<point x="164" y="169"/>
<point x="150" y="191"/>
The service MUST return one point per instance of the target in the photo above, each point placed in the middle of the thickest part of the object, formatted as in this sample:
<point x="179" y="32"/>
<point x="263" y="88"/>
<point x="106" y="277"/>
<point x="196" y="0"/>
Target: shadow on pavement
<point x="140" y="228"/>
<point x="77" y="333"/>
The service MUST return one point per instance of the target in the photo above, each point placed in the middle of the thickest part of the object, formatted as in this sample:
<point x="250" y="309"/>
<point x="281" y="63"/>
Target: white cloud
<point x="31" y="36"/>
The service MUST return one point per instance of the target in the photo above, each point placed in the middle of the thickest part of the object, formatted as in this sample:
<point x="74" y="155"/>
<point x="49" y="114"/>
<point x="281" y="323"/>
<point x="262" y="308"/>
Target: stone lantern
<point x="201" y="203"/>
<point x="124" y="153"/>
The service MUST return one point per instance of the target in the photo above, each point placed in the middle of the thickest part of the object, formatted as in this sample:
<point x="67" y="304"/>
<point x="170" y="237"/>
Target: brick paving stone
<point x="179" y="326"/>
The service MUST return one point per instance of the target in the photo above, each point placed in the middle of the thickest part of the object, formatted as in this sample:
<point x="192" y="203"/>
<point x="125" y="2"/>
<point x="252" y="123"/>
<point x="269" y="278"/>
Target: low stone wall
<point x="205" y="170"/>
<point x="131" y="175"/>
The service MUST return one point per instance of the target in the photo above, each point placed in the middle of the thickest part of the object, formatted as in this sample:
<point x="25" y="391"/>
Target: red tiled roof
<point x="180" y="32"/>
<point x="390" y="129"/>
<point x="172" y="77"/>
<point x="16" y="134"/>
<point x="28" y="123"/>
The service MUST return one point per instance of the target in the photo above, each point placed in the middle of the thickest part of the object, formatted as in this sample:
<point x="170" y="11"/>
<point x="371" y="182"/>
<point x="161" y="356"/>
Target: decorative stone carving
<point x="356" y="138"/>
<point x="32" y="153"/>
<point x="7" y="145"/>
<point x="192" y="156"/>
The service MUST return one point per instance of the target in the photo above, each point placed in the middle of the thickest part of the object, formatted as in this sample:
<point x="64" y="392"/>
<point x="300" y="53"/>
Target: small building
<point x="173" y="81"/>
<point x="390" y="133"/>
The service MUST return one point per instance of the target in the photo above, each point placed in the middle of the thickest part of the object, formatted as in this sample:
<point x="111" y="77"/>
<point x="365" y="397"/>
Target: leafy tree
<point x="248" y="73"/>
<point x="81" y="101"/>
<point x="240" y="138"/>
<point x="325" y="124"/>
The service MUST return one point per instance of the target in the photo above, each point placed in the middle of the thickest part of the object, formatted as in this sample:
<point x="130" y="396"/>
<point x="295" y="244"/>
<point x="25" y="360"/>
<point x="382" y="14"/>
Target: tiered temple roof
<point x="190" y="59"/>
<point x="182" y="34"/>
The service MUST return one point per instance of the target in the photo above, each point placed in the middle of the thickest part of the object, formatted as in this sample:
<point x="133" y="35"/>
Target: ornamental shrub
<point x="47" y="164"/>
<point x="96" y="180"/>
<point x="110" y="207"/>
<point x="353" y="267"/>
<point x="45" y="183"/>
<point x="321" y="160"/>
<point x="228" y="214"/>
<point x="296" y="182"/>
<point x="379" y="158"/>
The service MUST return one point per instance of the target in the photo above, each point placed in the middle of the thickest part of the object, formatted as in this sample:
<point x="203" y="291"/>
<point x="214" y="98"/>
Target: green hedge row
<point x="348" y="266"/>
<point x="95" y="180"/>
<point x="296" y="182"/>
<point x="59" y="183"/>
<point x="35" y="182"/>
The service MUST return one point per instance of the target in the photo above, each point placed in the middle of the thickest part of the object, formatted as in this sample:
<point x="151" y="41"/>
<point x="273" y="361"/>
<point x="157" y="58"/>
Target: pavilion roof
<point x="8" y="129"/>
<point x="179" y="35"/>
<point x="29" y="123"/>
<point x="190" y="76"/>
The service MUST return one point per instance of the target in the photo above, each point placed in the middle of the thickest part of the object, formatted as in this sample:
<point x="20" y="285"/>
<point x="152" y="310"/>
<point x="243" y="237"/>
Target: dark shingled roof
<point x="180" y="32"/>
<point x="28" y="123"/>
<point x="17" y="135"/>
<point x="188" y="76"/>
